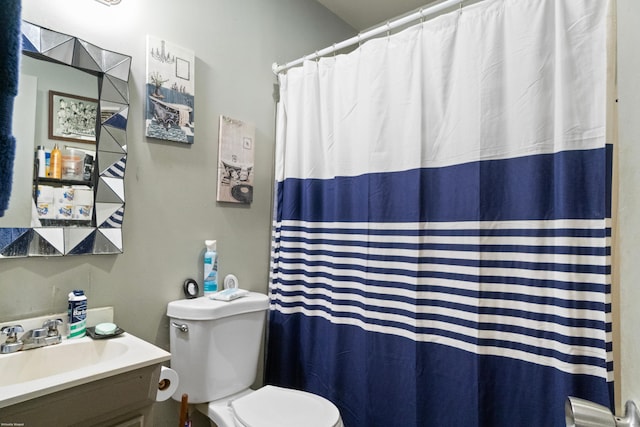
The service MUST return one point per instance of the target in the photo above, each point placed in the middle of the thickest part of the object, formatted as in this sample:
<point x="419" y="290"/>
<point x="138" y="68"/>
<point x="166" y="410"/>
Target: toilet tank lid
<point x="204" y="308"/>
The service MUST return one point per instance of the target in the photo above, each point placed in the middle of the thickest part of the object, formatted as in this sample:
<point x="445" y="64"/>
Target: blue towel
<point x="9" y="70"/>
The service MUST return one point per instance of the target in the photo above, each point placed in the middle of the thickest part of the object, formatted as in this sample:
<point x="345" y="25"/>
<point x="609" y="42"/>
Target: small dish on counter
<point x="102" y="331"/>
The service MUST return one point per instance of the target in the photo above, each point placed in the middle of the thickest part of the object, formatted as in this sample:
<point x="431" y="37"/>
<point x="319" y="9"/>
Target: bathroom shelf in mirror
<point x="74" y="216"/>
<point x="55" y="181"/>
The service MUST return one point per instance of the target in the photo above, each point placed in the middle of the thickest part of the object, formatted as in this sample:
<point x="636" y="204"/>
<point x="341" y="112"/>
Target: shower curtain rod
<point x="388" y="26"/>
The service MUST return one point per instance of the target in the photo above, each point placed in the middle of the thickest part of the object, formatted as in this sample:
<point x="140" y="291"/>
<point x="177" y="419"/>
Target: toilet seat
<point x="272" y="406"/>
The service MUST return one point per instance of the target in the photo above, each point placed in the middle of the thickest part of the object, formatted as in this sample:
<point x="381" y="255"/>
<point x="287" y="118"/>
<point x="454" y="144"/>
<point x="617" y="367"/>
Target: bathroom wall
<point x="170" y="187"/>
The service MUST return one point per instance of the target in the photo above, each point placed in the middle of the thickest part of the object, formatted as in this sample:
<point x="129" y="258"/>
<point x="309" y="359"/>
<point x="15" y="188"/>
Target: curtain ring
<point x="421" y="11"/>
<point x="317" y="57"/>
<point x="388" y="29"/>
<point x="333" y="46"/>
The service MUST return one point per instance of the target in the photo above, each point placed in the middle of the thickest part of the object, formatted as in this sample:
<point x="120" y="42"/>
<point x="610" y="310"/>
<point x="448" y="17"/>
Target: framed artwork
<point x="169" y="92"/>
<point x="236" y="146"/>
<point x="72" y="117"/>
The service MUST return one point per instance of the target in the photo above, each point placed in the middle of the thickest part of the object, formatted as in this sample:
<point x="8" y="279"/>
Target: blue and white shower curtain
<point x="441" y="242"/>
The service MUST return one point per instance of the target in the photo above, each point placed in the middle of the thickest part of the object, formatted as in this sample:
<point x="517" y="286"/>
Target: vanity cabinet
<point x="123" y="400"/>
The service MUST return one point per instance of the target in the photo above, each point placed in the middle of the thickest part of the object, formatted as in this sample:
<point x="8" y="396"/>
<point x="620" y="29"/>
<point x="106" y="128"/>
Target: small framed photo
<point x="72" y="117"/>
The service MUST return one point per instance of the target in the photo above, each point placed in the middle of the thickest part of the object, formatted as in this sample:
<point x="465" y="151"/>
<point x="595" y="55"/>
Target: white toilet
<point x="215" y="347"/>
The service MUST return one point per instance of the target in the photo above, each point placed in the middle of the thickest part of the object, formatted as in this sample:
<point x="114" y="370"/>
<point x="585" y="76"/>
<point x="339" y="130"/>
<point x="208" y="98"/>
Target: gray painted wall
<point x="170" y="188"/>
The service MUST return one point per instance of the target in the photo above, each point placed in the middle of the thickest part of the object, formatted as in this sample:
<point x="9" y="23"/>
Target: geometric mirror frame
<point x="112" y="72"/>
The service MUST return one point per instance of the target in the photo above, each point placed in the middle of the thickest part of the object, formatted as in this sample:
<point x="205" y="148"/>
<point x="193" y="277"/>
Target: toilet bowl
<point x="215" y="348"/>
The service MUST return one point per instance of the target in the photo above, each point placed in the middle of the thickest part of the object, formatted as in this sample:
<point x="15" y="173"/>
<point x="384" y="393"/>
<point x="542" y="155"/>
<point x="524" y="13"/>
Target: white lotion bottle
<point x="210" y="268"/>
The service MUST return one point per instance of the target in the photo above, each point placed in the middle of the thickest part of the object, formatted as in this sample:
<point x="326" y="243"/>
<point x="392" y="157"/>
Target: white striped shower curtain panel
<point x="441" y="238"/>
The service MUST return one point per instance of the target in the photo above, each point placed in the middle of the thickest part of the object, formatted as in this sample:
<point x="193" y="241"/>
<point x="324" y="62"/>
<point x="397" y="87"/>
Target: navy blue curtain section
<point x="471" y="295"/>
<point x="549" y="186"/>
<point x="378" y="380"/>
<point x="9" y="71"/>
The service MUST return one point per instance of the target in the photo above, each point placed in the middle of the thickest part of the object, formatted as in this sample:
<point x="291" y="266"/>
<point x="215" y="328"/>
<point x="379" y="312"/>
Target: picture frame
<point x="170" y="92"/>
<point x="236" y="161"/>
<point x="72" y="117"/>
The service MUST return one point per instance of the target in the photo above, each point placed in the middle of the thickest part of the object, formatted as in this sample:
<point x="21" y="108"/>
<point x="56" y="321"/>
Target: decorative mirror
<point x="104" y="179"/>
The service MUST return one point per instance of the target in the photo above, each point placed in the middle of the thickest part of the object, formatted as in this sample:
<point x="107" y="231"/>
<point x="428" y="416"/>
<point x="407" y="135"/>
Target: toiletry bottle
<point x="55" y="168"/>
<point x="77" y="313"/>
<point x="41" y="156"/>
<point x="87" y="167"/>
<point x="47" y="162"/>
<point x="210" y="268"/>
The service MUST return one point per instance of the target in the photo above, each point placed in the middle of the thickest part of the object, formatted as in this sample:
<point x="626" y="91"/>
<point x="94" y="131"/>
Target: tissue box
<point x="46" y="210"/>
<point x="63" y="195"/>
<point x="63" y="202"/>
<point x="82" y="204"/>
<point x="45" y="195"/>
<point x="63" y="211"/>
<point x="83" y="197"/>
<point x="82" y="212"/>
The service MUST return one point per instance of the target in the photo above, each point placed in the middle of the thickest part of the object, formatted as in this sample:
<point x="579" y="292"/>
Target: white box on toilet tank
<point x="215" y="345"/>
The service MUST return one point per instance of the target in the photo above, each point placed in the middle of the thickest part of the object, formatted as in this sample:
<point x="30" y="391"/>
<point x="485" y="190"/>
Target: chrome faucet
<point x="40" y="337"/>
<point x="48" y="334"/>
<point x="12" y="343"/>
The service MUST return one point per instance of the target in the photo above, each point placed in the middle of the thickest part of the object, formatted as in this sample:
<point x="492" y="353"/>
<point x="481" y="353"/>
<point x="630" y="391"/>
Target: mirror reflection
<point x="70" y="120"/>
<point x="64" y="144"/>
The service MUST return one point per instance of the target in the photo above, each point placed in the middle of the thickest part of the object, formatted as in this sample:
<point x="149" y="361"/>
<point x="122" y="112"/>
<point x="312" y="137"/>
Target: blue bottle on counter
<point x="77" y="313"/>
<point x="210" y="268"/>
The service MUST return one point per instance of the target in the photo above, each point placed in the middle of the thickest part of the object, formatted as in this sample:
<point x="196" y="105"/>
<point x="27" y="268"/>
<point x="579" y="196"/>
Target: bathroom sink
<point x="33" y="373"/>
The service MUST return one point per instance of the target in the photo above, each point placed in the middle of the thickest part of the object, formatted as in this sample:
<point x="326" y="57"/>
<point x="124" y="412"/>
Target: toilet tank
<point x="215" y="345"/>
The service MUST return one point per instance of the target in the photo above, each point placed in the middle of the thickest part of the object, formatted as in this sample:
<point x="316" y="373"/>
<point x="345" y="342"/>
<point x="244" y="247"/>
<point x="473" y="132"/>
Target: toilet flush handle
<point x="183" y="327"/>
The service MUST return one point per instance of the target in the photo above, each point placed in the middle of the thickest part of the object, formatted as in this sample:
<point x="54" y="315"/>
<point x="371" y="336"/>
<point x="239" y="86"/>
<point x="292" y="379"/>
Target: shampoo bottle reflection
<point x="55" y="167"/>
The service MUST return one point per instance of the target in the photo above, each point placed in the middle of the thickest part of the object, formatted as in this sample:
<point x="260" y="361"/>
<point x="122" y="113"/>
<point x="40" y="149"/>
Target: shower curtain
<point x="441" y="237"/>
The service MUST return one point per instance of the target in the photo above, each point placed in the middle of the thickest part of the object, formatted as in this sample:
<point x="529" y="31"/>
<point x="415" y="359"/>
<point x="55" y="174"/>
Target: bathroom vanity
<point x="121" y="400"/>
<point x="81" y="381"/>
